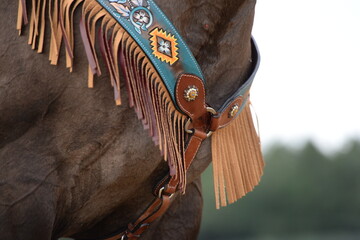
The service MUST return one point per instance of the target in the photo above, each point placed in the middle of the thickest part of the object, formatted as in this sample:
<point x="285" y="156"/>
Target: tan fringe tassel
<point x="66" y="22"/>
<point x="92" y="12"/>
<point x="237" y="159"/>
<point x="147" y="92"/>
<point x="20" y="17"/>
<point x="56" y="32"/>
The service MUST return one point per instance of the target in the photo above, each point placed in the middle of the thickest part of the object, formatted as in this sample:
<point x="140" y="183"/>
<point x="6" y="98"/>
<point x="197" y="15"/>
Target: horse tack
<point x="167" y="90"/>
<point x="204" y="120"/>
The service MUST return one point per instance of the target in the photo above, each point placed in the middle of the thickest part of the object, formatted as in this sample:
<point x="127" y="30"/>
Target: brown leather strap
<point x="195" y="141"/>
<point x="166" y="191"/>
<point x="156" y="209"/>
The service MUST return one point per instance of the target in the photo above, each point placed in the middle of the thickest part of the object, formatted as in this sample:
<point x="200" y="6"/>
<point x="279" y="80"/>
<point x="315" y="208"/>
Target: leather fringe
<point x="147" y="93"/>
<point x="237" y="168"/>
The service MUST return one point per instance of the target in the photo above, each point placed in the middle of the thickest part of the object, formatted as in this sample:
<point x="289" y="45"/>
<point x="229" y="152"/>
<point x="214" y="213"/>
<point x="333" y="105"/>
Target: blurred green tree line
<point x="304" y="194"/>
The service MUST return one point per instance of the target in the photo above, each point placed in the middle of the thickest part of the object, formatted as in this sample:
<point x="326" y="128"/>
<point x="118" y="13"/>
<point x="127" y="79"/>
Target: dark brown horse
<point x="74" y="164"/>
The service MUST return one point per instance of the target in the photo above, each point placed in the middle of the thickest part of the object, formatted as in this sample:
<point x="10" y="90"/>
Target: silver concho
<point x="233" y="111"/>
<point x="191" y="93"/>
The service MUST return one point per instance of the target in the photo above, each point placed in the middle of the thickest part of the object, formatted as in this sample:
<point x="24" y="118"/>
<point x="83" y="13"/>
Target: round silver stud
<point x="233" y="111"/>
<point x="191" y="93"/>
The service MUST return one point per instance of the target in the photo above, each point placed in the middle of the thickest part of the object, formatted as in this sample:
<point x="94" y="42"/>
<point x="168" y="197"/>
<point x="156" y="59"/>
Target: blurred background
<point x="306" y="96"/>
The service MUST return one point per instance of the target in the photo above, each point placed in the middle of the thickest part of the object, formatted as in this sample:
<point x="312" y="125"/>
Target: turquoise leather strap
<point x="157" y="37"/>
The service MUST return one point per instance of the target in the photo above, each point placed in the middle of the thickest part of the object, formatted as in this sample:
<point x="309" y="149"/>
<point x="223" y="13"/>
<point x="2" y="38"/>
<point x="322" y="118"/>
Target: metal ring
<point x="161" y="191"/>
<point x="189" y="131"/>
<point x="211" y="110"/>
<point x="187" y="124"/>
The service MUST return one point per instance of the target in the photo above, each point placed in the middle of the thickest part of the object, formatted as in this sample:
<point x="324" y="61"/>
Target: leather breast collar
<point x="167" y="90"/>
<point x="204" y="121"/>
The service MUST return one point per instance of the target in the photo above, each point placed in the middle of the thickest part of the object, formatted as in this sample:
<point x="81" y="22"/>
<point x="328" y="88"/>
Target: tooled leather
<point x="186" y="61"/>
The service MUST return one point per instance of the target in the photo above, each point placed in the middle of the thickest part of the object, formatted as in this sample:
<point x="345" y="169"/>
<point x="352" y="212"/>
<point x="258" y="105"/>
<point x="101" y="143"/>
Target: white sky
<point x="308" y="84"/>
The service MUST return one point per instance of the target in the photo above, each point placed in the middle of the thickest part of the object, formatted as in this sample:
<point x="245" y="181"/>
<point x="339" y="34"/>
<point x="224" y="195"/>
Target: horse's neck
<point x="218" y="33"/>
